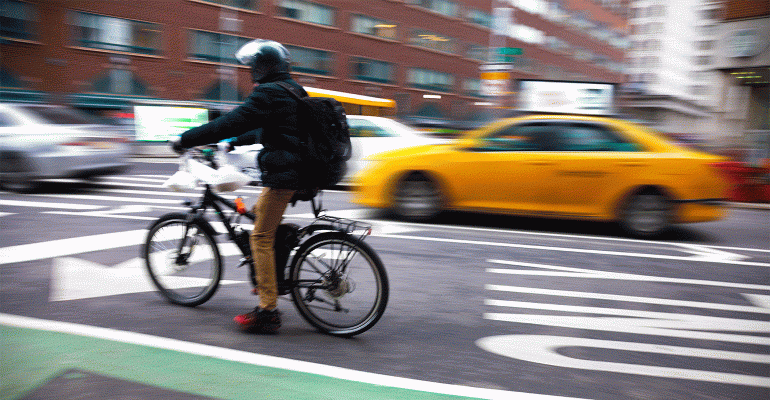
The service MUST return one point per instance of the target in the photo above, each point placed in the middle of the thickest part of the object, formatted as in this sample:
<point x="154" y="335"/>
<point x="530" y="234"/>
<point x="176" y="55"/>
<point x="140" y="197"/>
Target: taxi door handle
<point x="540" y="162"/>
<point x="632" y="163"/>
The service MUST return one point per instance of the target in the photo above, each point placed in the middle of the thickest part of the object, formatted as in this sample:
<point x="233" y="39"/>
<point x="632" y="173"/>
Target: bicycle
<point x="336" y="281"/>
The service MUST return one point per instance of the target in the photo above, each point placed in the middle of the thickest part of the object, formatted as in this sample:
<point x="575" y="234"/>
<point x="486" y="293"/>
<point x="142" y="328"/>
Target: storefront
<point x="744" y="118"/>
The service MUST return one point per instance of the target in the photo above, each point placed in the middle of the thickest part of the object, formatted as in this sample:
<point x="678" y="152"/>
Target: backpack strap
<point x="291" y="89"/>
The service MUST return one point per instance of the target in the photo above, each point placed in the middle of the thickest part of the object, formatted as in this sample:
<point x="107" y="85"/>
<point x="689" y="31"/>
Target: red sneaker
<point x="260" y="321"/>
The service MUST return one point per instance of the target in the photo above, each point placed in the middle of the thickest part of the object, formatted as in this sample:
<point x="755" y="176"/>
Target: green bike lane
<point x="44" y="359"/>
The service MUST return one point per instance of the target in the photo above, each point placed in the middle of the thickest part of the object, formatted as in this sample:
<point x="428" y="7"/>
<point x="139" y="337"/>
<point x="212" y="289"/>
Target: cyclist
<point x="271" y="108"/>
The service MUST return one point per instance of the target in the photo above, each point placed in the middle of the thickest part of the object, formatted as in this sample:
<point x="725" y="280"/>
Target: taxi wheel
<point x="417" y="198"/>
<point x="646" y="214"/>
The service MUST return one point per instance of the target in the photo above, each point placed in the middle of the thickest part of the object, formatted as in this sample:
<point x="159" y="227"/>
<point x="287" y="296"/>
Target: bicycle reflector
<point x="240" y="207"/>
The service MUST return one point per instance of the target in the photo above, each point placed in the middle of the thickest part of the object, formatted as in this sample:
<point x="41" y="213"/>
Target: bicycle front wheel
<point x="339" y="284"/>
<point x="183" y="260"/>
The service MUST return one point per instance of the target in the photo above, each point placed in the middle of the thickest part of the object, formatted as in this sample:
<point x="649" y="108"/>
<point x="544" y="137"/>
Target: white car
<point x="368" y="135"/>
<point x="40" y="141"/>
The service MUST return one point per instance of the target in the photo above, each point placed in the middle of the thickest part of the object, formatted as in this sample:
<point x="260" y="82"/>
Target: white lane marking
<point x="110" y="198"/>
<point x="96" y="214"/>
<point x="252" y="191"/>
<point x="41" y="204"/>
<point x="759" y="300"/>
<point x="632" y="299"/>
<point x="119" y="211"/>
<point x="355" y="213"/>
<point x="227" y="354"/>
<point x="708" y="254"/>
<point x="70" y="246"/>
<point x="642" y="323"/>
<point x="140" y="178"/>
<point x="696" y="257"/>
<point x="73" y="279"/>
<point x="543" y="349"/>
<point x="379" y="228"/>
<point x="573" y="272"/>
<point x="4" y="214"/>
<point x="156" y="193"/>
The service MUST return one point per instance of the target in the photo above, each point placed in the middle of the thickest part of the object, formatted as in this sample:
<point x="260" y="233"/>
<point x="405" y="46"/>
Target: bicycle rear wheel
<point x="339" y="284"/>
<point x="188" y="278"/>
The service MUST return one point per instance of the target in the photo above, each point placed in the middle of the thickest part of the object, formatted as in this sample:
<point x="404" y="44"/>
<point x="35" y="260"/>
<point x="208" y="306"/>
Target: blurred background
<point x="696" y="71"/>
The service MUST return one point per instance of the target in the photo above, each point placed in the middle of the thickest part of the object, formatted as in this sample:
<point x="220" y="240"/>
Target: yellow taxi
<point x="579" y="167"/>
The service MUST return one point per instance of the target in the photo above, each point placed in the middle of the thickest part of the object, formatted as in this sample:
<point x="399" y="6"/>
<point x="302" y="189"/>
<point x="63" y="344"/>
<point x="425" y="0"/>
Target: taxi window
<point x="521" y="137"/>
<point x="364" y="128"/>
<point x="589" y="137"/>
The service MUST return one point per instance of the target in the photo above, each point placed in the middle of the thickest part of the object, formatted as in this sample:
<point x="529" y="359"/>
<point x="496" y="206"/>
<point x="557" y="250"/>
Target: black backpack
<point x="328" y="142"/>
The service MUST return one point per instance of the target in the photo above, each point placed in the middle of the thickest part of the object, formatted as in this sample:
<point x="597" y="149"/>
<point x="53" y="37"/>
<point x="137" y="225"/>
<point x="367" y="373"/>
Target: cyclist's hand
<point x="176" y="145"/>
<point x="225" y="146"/>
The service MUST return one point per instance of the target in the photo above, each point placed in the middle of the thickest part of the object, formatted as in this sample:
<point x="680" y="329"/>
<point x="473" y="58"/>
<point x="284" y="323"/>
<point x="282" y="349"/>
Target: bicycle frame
<point x="211" y="200"/>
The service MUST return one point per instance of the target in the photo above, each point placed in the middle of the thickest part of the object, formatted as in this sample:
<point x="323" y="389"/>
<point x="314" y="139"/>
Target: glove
<point x="176" y="145"/>
<point x="225" y="146"/>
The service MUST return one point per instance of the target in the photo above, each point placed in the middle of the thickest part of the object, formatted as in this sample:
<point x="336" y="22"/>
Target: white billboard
<point x="164" y="123"/>
<point x="566" y="97"/>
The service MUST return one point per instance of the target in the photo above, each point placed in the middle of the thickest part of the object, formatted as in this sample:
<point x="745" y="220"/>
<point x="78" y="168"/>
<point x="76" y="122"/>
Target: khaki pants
<point x="269" y="211"/>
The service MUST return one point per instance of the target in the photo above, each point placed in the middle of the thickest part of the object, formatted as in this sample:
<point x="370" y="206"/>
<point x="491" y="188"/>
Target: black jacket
<point x="271" y="108"/>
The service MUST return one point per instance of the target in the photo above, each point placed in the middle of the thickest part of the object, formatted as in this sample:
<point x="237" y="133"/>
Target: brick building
<point x="424" y="54"/>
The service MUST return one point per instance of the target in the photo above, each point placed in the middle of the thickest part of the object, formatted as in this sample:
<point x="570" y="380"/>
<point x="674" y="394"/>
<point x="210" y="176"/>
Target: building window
<point x="472" y="87"/>
<point x="479" y="17"/>
<point x="433" y="41"/>
<point x="18" y="20"/>
<point x="372" y="70"/>
<point x="119" y="81"/>
<point x="215" y="47"/>
<point x="373" y="26"/>
<point x="116" y="34"/>
<point x="430" y="80"/>
<point x="306" y="11"/>
<point x="445" y="7"/>
<point x="244" y="4"/>
<point x="477" y="52"/>
<point x="311" y="61"/>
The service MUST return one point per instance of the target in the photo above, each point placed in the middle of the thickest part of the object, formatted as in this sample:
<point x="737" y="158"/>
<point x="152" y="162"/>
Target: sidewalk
<point x="58" y="360"/>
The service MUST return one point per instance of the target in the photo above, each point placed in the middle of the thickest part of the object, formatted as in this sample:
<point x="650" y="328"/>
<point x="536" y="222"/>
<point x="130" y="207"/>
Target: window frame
<point x="84" y="42"/>
<point x="355" y="17"/>
<point x="31" y="27"/>
<point x="445" y="88"/>
<point x="229" y="58"/>
<point x="281" y="12"/>
<point x="295" y="50"/>
<point x="392" y="70"/>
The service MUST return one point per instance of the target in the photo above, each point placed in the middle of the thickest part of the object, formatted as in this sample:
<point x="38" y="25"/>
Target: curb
<point x="749" y="206"/>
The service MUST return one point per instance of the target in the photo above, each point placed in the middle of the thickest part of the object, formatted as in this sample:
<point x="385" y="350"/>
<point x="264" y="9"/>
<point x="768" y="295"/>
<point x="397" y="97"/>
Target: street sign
<point x="510" y="51"/>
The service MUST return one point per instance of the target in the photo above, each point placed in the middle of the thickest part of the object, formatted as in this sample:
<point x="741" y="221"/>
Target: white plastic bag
<point x="225" y="179"/>
<point x="229" y="179"/>
<point x="182" y="180"/>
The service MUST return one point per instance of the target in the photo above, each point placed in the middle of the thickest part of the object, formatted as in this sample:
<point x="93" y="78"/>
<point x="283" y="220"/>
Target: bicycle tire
<point x="192" y="283"/>
<point x="315" y="282"/>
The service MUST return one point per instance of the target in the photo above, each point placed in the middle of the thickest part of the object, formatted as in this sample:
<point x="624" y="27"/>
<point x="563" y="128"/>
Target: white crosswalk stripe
<point x="111" y="197"/>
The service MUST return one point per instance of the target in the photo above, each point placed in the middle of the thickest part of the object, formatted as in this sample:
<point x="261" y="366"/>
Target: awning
<point x="105" y="101"/>
<point x="23" y="96"/>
